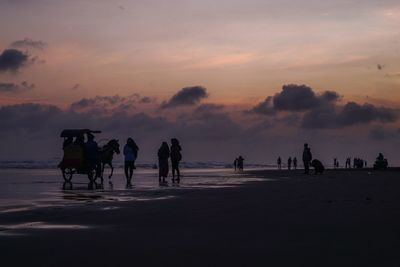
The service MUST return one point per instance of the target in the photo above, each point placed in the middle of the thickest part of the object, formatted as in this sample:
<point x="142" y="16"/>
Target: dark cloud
<point x="320" y="111"/>
<point x="295" y="98"/>
<point x="348" y="115"/>
<point x="301" y="98"/>
<point x="29" y="43"/>
<point x="12" y="60"/>
<point x="16" y="88"/>
<point x="265" y="107"/>
<point x="188" y="96"/>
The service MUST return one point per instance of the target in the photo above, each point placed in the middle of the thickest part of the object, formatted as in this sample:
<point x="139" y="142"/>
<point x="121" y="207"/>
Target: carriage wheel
<point x="67" y="174"/>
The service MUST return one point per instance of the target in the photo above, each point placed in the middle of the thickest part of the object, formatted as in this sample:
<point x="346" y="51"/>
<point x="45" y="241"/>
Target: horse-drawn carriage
<point x="74" y="160"/>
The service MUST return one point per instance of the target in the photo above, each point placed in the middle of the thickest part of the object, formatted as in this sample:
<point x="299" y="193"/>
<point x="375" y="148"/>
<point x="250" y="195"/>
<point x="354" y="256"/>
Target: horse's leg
<point x="102" y="170"/>
<point x="112" y="170"/>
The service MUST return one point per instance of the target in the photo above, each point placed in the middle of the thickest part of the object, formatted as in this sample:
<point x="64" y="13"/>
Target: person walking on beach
<point x="176" y="157"/>
<point x="307" y="157"/>
<point x="279" y="162"/>
<point x="295" y="163"/>
<point x="163" y="155"/>
<point x="289" y="163"/>
<point x="130" y="153"/>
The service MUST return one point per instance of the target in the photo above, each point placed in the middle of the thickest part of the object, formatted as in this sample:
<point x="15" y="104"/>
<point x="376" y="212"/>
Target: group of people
<point x="174" y="153"/>
<point x="357" y="163"/>
<point x="238" y="163"/>
<point x="290" y="161"/>
<point x="165" y="152"/>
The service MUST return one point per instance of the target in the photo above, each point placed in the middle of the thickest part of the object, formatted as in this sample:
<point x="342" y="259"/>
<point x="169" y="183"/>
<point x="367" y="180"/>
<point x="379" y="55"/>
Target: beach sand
<point x="341" y="218"/>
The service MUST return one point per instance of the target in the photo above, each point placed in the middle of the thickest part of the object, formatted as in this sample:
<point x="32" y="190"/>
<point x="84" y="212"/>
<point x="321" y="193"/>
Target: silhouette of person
<point x="335" y="163"/>
<point x="295" y="163"/>
<point x="279" y="162"/>
<point x="130" y="154"/>
<point x="289" y="163"/>
<point x="240" y="160"/>
<point x="163" y="155"/>
<point x="92" y="153"/>
<point x="307" y="157"/>
<point x="176" y="157"/>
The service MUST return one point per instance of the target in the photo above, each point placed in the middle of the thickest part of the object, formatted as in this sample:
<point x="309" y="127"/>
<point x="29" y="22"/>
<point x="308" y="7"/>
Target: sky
<point x="254" y="77"/>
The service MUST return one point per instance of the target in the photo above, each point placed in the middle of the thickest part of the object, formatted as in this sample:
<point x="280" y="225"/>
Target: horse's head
<point x="114" y="145"/>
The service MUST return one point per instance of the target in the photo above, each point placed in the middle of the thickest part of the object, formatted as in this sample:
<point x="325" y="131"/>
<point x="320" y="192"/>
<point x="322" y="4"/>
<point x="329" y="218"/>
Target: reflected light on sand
<point x="41" y="225"/>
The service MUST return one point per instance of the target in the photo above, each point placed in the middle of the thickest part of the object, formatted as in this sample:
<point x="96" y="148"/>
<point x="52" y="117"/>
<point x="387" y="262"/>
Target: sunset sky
<point x="68" y="58"/>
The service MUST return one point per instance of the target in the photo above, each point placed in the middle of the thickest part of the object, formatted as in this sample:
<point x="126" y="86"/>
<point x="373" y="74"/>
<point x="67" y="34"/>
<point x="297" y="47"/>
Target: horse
<point x="107" y="154"/>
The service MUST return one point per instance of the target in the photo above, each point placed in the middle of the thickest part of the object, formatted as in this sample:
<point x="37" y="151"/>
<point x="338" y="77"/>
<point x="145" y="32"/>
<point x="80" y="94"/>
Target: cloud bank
<point x="210" y="132"/>
<point x="323" y="110"/>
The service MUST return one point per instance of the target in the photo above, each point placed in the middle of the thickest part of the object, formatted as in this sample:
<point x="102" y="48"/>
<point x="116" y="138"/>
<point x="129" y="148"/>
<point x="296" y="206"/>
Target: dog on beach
<point x="318" y="167"/>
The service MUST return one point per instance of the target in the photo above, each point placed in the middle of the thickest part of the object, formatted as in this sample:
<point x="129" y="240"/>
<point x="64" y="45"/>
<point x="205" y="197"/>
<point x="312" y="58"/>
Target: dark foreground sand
<point x="343" y="218"/>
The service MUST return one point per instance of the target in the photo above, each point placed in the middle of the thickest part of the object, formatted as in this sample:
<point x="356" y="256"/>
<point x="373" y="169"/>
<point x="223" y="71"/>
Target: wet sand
<point x="342" y="218"/>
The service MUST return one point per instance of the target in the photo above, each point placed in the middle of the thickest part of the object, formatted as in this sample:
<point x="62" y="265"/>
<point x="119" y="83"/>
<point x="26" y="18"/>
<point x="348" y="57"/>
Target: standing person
<point x="176" y="157"/>
<point x="240" y="160"/>
<point x="307" y="157"/>
<point x="130" y="153"/>
<point x="91" y="152"/>
<point x="289" y="163"/>
<point x="335" y="163"/>
<point x="279" y="162"/>
<point x="295" y="163"/>
<point x="163" y="155"/>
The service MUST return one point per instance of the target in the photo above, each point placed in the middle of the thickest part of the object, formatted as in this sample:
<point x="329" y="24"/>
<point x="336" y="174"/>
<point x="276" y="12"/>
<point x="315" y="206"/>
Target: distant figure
<point x="91" y="152"/>
<point x="307" y="157"/>
<point x="240" y="161"/>
<point x="358" y="163"/>
<point x="235" y="164"/>
<point x="381" y="163"/>
<point x="295" y="163"/>
<point x="130" y="153"/>
<point x="348" y="163"/>
<point x="318" y="167"/>
<point x="279" y="162"/>
<point x="335" y="163"/>
<point x="163" y="155"/>
<point x="289" y="163"/>
<point x="176" y="157"/>
<point x="67" y="142"/>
